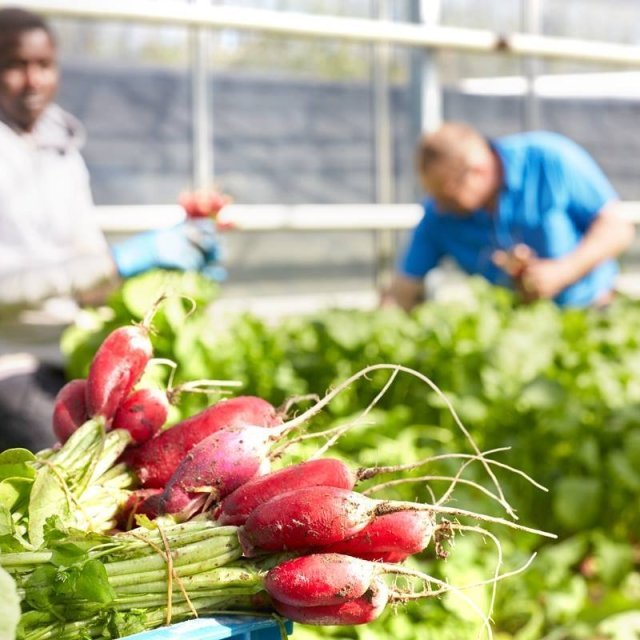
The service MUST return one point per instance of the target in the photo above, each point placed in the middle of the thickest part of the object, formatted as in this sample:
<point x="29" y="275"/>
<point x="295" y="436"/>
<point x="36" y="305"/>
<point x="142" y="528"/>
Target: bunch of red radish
<point x="346" y="540"/>
<point x="338" y="544"/>
<point x="108" y="392"/>
<point x="206" y="203"/>
<point x="203" y="203"/>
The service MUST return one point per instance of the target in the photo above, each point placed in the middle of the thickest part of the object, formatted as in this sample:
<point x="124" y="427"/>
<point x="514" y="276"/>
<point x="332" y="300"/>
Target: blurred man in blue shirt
<point x="532" y="211"/>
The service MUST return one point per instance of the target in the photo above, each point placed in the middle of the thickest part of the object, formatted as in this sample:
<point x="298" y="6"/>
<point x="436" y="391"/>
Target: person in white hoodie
<point x="52" y="251"/>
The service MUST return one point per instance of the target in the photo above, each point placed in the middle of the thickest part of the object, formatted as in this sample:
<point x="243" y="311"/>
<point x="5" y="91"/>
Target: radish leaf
<point x="9" y="606"/>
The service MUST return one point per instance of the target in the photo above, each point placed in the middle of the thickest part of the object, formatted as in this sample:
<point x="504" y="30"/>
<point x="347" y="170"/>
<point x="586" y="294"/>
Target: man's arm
<point x="607" y="237"/>
<point x="28" y="283"/>
<point x="423" y="252"/>
<point x="403" y="292"/>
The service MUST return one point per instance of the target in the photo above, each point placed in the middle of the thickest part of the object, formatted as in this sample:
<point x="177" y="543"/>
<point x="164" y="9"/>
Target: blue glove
<point x="188" y="246"/>
<point x="202" y="232"/>
<point x="214" y="271"/>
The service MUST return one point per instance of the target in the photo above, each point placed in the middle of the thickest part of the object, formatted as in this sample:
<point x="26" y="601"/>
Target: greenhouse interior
<point x="319" y="319"/>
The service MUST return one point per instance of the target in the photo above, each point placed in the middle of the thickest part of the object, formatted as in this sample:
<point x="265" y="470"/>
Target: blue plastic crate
<point x="238" y="627"/>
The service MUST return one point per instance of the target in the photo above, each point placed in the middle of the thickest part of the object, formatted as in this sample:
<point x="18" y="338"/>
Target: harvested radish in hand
<point x="70" y="409"/>
<point x="156" y="460"/>
<point x="142" y="413"/>
<point x="115" y="369"/>
<point x="237" y="506"/>
<point x="215" y="467"/>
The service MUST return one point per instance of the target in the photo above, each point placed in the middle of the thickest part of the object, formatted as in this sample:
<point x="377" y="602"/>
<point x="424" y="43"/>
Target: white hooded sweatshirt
<point x="51" y="246"/>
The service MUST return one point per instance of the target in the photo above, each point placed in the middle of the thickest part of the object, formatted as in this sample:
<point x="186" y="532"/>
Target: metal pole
<point x="532" y="13"/>
<point x="383" y="135"/>
<point x="430" y="98"/>
<point x="384" y="240"/>
<point x="426" y="89"/>
<point x="202" y="142"/>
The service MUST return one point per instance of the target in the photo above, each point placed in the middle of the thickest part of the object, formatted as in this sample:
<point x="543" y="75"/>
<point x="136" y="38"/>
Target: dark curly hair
<point x="14" y="20"/>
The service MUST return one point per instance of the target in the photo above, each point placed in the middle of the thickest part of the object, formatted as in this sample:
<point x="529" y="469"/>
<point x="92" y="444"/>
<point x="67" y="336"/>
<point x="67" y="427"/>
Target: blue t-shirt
<point x="552" y="191"/>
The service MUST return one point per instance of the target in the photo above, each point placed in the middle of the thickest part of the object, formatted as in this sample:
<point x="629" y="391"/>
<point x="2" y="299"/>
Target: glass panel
<point x="599" y="110"/>
<point x="130" y="86"/>
<point x="351" y="8"/>
<point x="292" y="120"/>
<point x="593" y="20"/>
<point x="495" y="15"/>
<point x="596" y="105"/>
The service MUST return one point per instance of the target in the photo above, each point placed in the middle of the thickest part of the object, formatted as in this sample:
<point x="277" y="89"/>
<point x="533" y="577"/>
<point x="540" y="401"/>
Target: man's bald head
<point x="453" y="144"/>
<point x="458" y="168"/>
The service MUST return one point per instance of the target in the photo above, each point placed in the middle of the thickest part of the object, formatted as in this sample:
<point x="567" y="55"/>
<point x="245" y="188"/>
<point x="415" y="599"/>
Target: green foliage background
<point x="561" y="388"/>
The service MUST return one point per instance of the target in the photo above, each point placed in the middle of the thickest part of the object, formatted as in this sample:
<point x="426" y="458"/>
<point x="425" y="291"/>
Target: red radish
<point x="390" y="537"/>
<point x="70" y="409"/>
<point x="142" y="413"/>
<point x="215" y="467"/>
<point x="156" y="460"/>
<point x="320" y="579"/>
<point x="312" y="517"/>
<point x="390" y="557"/>
<point x="261" y="602"/>
<point x="140" y="501"/>
<point x="115" y="369"/>
<point x="306" y="518"/>
<point x="329" y="472"/>
<point x="150" y="506"/>
<point x="237" y="506"/>
<point x="361" y="610"/>
<point x="202" y="203"/>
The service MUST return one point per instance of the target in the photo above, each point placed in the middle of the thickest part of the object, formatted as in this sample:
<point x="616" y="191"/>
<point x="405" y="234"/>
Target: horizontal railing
<point x="122" y="219"/>
<point x="308" y="25"/>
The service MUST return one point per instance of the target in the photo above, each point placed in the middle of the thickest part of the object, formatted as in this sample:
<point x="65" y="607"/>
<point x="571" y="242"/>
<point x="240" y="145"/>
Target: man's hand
<point x="404" y="292"/>
<point x="534" y="278"/>
<point x="609" y="235"/>
<point x="544" y="278"/>
<point x="514" y="261"/>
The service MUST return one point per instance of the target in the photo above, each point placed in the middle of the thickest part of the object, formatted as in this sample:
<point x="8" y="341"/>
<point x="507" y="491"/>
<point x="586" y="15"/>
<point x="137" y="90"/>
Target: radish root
<point x="302" y="419"/>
